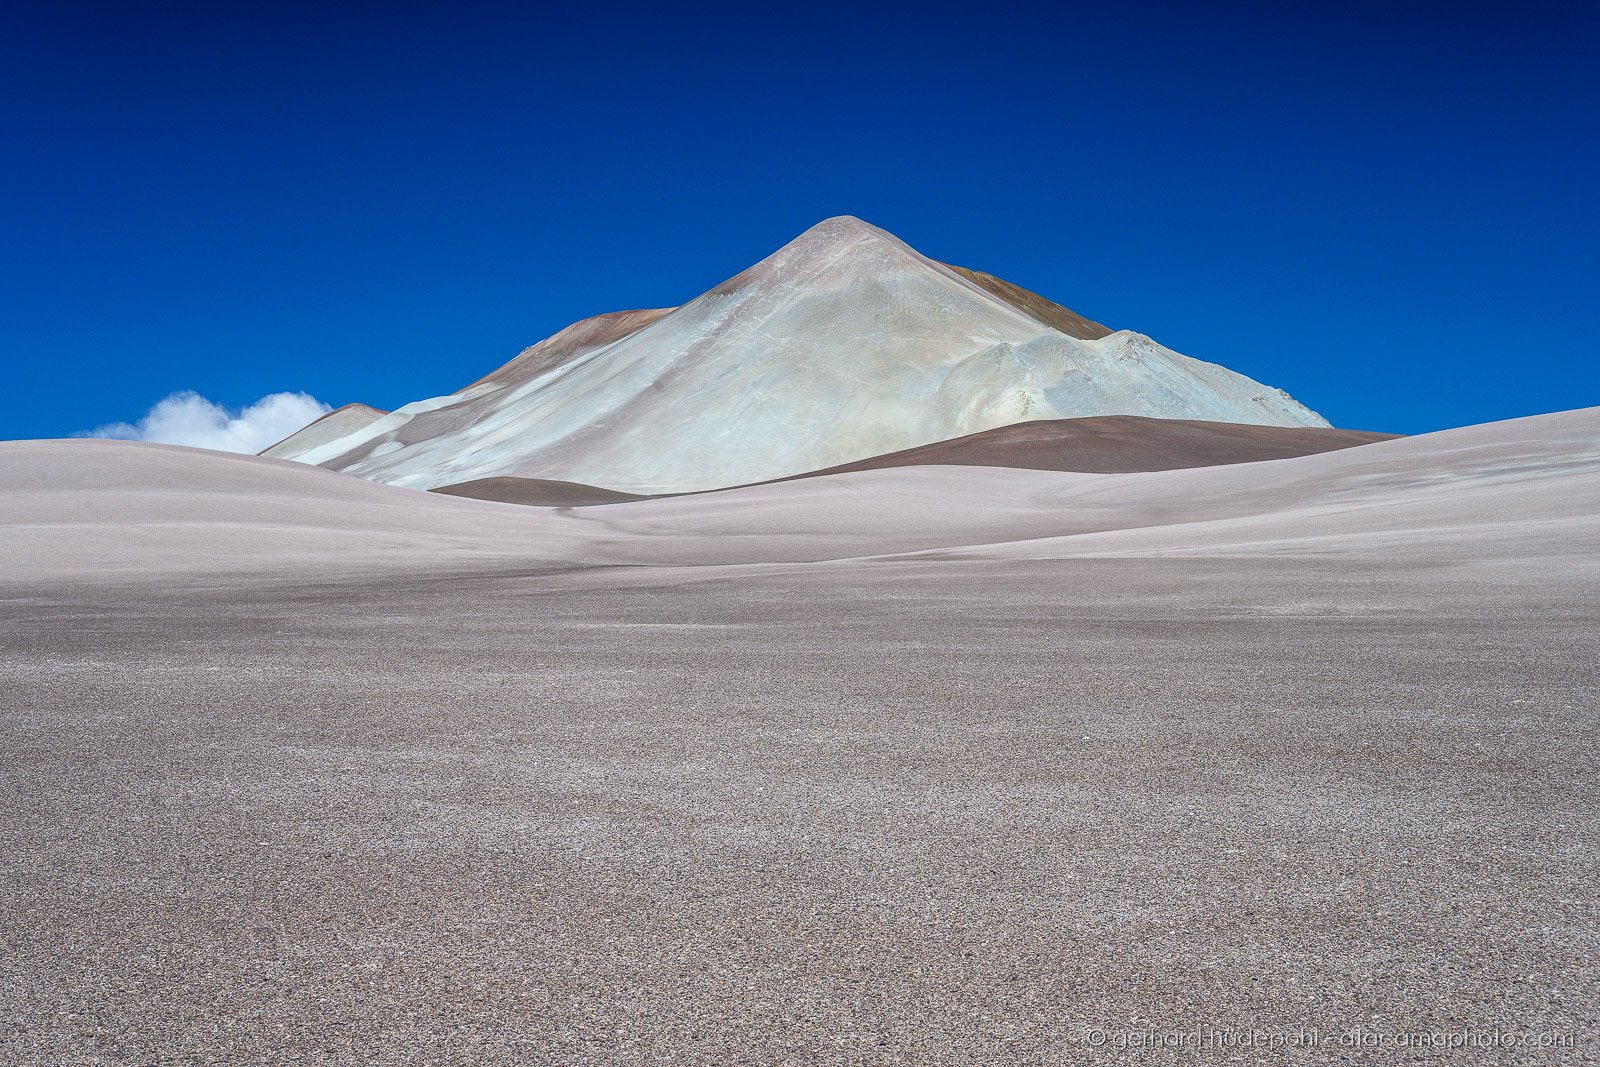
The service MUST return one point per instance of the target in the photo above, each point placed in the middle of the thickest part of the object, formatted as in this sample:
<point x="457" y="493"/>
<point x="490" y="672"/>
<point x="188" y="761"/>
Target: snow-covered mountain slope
<point x="340" y="422"/>
<point x="846" y="343"/>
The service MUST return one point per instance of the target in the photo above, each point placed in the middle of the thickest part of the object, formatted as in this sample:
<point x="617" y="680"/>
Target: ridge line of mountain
<point x="844" y="344"/>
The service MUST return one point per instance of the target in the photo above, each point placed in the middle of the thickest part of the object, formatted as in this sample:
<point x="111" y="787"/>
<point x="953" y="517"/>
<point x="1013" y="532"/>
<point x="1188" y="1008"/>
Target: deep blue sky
<point x="1390" y="213"/>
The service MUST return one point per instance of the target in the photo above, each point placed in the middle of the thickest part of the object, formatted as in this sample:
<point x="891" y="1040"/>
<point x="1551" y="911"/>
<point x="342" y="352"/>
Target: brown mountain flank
<point x="1035" y="306"/>
<point x="585" y="335"/>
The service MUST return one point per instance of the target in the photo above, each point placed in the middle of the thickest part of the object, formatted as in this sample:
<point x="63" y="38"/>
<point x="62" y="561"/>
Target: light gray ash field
<point x="1146" y="704"/>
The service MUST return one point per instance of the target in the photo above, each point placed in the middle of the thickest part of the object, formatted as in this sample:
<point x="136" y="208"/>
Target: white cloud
<point x="188" y="418"/>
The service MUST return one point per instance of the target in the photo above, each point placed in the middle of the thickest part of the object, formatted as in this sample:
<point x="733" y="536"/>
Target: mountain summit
<point x="843" y="344"/>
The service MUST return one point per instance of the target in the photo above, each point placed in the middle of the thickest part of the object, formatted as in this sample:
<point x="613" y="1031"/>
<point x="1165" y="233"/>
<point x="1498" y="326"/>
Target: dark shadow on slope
<point x="540" y="492"/>
<point x="1118" y="444"/>
<point x="1108" y="444"/>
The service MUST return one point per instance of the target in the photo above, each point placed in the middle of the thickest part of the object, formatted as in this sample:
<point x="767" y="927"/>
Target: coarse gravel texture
<point x="936" y="765"/>
<point x="926" y="812"/>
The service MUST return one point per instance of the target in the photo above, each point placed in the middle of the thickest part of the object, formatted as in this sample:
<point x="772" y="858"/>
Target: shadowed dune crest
<point x="1110" y="444"/>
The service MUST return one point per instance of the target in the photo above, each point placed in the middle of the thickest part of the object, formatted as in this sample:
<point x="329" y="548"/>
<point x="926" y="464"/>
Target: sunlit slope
<point x="844" y="344"/>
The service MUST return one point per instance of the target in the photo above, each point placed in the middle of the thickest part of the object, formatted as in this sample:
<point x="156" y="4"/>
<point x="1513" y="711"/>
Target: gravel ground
<point x="916" y="812"/>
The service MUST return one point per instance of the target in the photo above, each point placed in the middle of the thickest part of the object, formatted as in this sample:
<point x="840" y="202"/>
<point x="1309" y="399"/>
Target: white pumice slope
<point x="844" y="344"/>
<point x="338" y="423"/>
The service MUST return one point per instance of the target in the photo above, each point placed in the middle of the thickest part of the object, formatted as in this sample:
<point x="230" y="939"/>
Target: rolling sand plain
<point x="932" y="764"/>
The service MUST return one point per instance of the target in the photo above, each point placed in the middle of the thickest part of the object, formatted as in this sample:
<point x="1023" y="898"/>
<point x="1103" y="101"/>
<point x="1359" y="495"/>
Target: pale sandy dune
<point x="1519" y="489"/>
<point x="87" y="510"/>
<point x="84" y="510"/>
